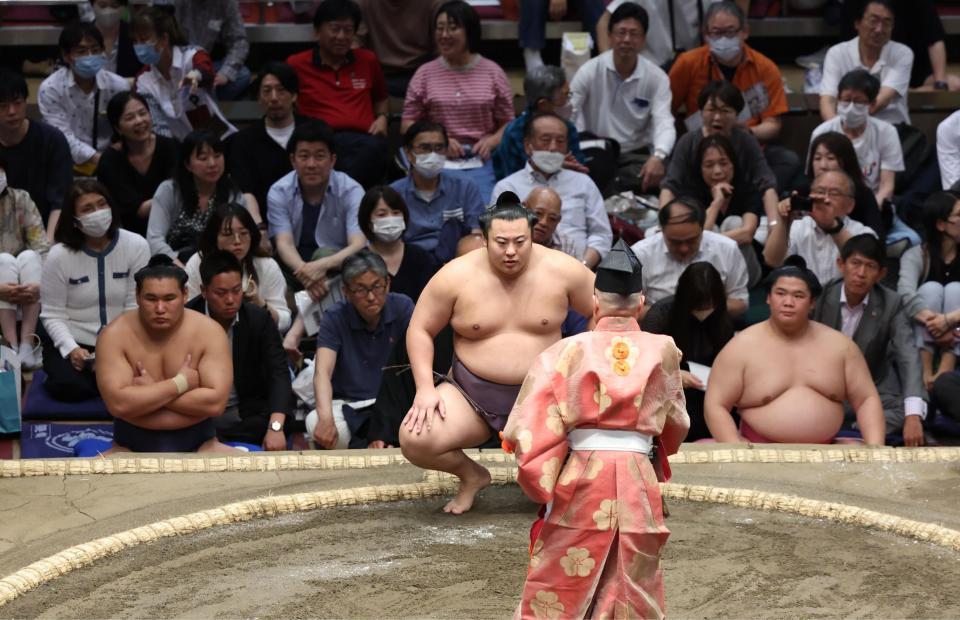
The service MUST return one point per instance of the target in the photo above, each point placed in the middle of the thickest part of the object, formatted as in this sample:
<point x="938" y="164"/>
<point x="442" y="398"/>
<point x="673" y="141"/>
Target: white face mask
<point x="3" y="180"/>
<point x="701" y="315"/>
<point x="95" y="224"/>
<point x="726" y="49"/>
<point x="107" y="17"/>
<point x="429" y="165"/>
<point x="853" y="115"/>
<point x="388" y="229"/>
<point x="547" y="162"/>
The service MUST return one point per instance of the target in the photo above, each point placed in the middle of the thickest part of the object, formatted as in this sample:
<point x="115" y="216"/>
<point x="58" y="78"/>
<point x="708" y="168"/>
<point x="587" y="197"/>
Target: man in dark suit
<point x="261" y="399"/>
<point x="873" y="316"/>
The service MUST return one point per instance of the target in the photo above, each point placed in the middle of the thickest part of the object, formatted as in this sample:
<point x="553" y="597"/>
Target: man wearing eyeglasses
<point x="872" y="50"/>
<point x="353" y="344"/>
<point x="816" y="234"/>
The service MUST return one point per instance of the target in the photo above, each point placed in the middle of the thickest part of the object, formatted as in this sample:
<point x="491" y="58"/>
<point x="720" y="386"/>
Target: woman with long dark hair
<point x="930" y="277"/>
<point x="231" y="228"/>
<point x="87" y="282"/>
<point x="182" y="205"/>
<point x="834" y="151"/>
<point x="696" y="318"/>
<point x="140" y="160"/>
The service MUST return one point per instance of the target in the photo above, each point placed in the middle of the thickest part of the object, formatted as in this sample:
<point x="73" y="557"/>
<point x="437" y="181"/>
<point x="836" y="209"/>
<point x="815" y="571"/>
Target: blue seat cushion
<point x="40" y="405"/>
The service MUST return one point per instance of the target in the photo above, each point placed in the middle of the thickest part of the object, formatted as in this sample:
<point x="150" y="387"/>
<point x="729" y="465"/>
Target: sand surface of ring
<point x="411" y="560"/>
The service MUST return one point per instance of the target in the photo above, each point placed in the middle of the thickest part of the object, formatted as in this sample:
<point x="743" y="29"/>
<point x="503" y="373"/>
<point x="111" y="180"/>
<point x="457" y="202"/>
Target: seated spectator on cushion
<point x="87" y="282"/>
<point x="355" y="340"/>
<point x="217" y="25"/>
<point x="231" y="228"/>
<point x="257" y="154"/>
<point x="444" y="208"/>
<point x="37" y="155"/>
<point x="929" y="280"/>
<point x="734" y="207"/>
<point x="834" y="151"/>
<point x="313" y="210"/>
<point x="584" y="216"/>
<point x="546" y="90"/>
<point x="725" y="55"/>
<point x="466" y="93"/>
<point x="948" y="151"/>
<point x="344" y="87"/>
<point x="23" y="244"/>
<point x="720" y="105"/>
<point x="135" y="166"/>
<point x="625" y="97"/>
<point x="875" y="318"/>
<point x="875" y="141"/>
<point x="383" y="216"/>
<point x="74" y="98"/>
<point x="182" y="205"/>
<point x="172" y="66"/>
<point x="400" y="33"/>
<point x="873" y="51"/>
<point x="817" y="234"/>
<point x="682" y="241"/>
<point x="798" y="397"/>
<point x="696" y="318"/>
<point x="261" y="398"/>
<point x="117" y="42"/>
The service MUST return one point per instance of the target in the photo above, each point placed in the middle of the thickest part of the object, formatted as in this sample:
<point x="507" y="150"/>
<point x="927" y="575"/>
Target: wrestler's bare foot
<point x="470" y="484"/>
<point x="214" y="445"/>
<point x="115" y="449"/>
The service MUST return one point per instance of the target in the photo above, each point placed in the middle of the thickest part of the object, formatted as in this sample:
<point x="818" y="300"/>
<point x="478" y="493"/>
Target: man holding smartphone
<point x="817" y="228"/>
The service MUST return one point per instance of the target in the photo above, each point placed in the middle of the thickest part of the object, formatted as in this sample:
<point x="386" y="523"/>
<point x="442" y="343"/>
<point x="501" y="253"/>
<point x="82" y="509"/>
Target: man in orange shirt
<point x="726" y="56"/>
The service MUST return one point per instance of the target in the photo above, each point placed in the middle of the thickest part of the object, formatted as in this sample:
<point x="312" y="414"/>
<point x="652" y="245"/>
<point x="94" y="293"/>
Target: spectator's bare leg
<point x="28" y="322"/>
<point x="214" y="445"/>
<point x="8" y="325"/>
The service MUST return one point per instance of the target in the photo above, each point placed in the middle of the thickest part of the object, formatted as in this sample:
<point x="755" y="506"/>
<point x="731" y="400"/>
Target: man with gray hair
<point x="816" y="228"/>
<point x="354" y="342"/>
<point x="546" y="90"/>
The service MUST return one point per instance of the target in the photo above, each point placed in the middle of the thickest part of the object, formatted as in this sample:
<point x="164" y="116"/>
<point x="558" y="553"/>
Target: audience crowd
<point x="305" y="238"/>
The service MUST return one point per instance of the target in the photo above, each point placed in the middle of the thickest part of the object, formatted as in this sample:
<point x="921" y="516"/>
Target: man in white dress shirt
<point x="583" y="215"/>
<point x="872" y="50"/>
<point x="74" y="98"/>
<point x="818" y="234"/>
<point x="623" y="96"/>
<point x="682" y="241"/>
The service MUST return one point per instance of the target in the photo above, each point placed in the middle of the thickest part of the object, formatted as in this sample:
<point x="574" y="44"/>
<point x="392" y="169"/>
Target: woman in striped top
<point x="465" y="92"/>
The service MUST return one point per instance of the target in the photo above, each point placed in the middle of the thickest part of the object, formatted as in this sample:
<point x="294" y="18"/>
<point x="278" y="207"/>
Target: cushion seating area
<point x="40" y="405"/>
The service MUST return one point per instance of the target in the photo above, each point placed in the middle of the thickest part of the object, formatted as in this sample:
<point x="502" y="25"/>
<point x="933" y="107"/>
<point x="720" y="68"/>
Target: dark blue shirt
<point x="308" y="245"/>
<point x="361" y="353"/>
<point x="437" y="226"/>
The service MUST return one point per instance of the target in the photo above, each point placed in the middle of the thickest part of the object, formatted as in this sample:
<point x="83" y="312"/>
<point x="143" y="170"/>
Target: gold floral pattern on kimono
<point x="546" y="605"/>
<point x="606" y="516"/>
<point x="559" y="418"/>
<point x="570" y="359"/>
<point x="549" y="478"/>
<point x="600" y="397"/>
<point x="577" y="562"/>
<point x="622" y="355"/>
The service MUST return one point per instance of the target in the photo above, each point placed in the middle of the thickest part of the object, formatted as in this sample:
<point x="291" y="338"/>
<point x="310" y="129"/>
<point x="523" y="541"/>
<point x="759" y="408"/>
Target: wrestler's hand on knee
<point x="425" y="403"/>
<point x="190" y="374"/>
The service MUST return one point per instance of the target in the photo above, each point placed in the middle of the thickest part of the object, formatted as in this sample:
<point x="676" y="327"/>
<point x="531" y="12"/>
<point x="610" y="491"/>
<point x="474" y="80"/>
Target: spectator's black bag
<point x="916" y="150"/>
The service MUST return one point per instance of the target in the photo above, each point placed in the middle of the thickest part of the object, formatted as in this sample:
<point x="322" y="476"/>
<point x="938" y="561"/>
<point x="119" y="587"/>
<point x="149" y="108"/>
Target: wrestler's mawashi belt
<point x="587" y="439"/>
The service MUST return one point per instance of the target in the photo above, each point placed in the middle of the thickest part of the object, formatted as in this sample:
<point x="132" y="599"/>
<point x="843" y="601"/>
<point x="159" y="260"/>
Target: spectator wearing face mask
<point x="442" y="208"/>
<point x="117" y="42"/>
<point x="876" y="141"/>
<point x="546" y="90"/>
<point x="383" y="217"/>
<point x="74" y="98"/>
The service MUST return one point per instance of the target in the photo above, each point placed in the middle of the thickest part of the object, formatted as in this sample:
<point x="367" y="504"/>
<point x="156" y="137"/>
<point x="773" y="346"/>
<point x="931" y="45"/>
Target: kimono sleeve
<point x="538" y="433"/>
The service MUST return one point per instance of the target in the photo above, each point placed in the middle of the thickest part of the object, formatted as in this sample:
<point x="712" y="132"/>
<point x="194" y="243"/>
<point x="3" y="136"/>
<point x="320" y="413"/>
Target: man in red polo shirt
<point x="726" y="56"/>
<point x="345" y="88"/>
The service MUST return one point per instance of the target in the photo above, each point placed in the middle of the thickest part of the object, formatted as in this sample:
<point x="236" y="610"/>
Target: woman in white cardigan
<point x="232" y="228"/>
<point x="87" y="282"/>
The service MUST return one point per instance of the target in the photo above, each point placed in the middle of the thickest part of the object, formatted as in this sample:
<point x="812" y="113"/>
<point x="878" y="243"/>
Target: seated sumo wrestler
<point x="164" y="372"/>
<point x="800" y="373"/>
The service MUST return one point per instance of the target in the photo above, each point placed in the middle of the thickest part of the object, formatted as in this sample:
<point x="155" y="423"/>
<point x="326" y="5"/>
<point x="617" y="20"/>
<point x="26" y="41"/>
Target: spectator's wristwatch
<point x="276" y="426"/>
<point x="941" y="85"/>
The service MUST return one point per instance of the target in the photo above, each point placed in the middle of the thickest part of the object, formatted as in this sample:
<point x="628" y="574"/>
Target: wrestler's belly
<point x="504" y="357"/>
<point x="799" y="415"/>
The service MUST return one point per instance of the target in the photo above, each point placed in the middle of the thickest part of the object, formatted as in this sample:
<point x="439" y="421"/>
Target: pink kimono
<point x="598" y="553"/>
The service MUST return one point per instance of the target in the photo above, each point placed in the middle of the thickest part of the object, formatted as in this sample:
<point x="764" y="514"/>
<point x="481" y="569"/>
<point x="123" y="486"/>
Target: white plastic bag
<point x="574" y="51"/>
